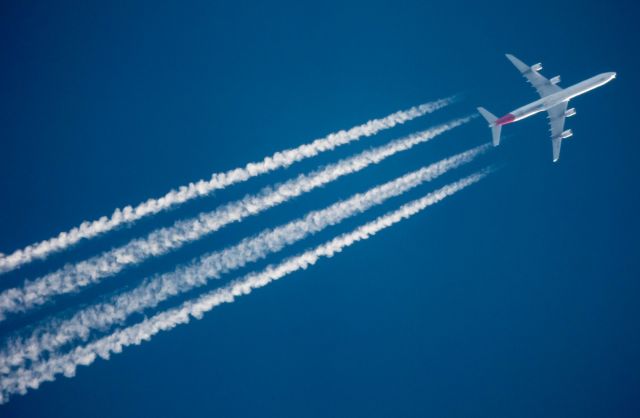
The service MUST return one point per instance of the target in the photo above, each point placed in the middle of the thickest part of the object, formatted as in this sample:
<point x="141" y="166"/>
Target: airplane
<point x="553" y="99"/>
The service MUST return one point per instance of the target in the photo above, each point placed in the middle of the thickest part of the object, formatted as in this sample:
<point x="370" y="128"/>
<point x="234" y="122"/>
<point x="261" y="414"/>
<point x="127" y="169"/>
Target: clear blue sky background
<point x="517" y="297"/>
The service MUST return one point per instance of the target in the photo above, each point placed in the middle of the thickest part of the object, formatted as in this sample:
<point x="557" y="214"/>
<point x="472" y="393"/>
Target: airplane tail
<point x="495" y="129"/>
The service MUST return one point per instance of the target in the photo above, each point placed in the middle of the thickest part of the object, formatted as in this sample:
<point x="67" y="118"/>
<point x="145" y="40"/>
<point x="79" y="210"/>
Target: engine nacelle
<point x="555" y="80"/>
<point x="567" y="134"/>
<point x="570" y="112"/>
<point x="536" y="67"/>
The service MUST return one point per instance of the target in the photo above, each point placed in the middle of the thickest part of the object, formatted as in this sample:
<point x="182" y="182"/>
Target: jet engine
<point x="555" y="80"/>
<point x="536" y="67"/>
<point x="570" y="112"/>
<point x="567" y="134"/>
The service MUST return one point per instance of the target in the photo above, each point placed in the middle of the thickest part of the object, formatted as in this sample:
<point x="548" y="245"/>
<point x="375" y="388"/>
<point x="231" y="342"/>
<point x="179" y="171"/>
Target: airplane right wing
<point x="557" y="115"/>
<point x="543" y="86"/>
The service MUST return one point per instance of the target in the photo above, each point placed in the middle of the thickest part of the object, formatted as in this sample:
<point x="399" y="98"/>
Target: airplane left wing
<point x="543" y="86"/>
<point x="556" y="121"/>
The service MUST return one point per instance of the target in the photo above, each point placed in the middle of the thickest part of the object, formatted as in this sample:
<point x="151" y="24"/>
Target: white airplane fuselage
<point x="555" y="99"/>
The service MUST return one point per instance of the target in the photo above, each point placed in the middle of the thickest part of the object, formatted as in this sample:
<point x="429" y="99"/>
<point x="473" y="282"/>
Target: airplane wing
<point x="543" y="86"/>
<point x="556" y="121"/>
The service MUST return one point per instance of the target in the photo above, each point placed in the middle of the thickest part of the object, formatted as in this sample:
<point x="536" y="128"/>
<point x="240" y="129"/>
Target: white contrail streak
<point x="31" y="378"/>
<point x="72" y="277"/>
<point x="150" y="293"/>
<point x="281" y="159"/>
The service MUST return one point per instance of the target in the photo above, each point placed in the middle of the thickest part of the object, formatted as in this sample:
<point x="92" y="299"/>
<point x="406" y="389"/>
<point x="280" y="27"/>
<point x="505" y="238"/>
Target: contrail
<point x="72" y="277"/>
<point x="31" y="378"/>
<point x="281" y="159"/>
<point x="150" y="293"/>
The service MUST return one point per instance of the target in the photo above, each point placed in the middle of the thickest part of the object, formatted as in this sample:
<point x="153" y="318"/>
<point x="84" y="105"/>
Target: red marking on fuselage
<point x="508" y="118"/>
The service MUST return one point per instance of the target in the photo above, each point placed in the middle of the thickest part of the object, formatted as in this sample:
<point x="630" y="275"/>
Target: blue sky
<point x="516" y="297"/>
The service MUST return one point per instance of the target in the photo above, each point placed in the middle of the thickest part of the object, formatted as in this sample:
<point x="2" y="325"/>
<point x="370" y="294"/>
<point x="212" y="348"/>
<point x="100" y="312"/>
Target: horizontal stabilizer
<point x="490" y="117"/>
<point x="495" y="129"/>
